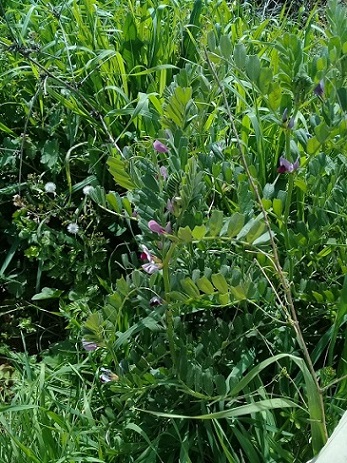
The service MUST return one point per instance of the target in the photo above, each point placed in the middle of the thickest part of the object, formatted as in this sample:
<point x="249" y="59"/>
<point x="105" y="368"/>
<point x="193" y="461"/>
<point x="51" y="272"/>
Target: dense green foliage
<point x="173" y="187"/>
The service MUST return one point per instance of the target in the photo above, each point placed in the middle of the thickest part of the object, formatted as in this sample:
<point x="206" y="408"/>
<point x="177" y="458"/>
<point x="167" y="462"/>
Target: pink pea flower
<point x="160" y="147"/>
<point x="287" y="167"/>
<point x="89" y="345"/>
<point x="153" y="265"/>
<point x="156" y="228"/>
<point x="170" y="205"/>
<point x="163" y="172"/>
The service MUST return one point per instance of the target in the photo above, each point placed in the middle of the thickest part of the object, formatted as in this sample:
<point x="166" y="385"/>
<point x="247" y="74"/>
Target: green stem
<point x="285" y="222"/>
<point x="169" y="317"/>
<point x="319" y="418"/>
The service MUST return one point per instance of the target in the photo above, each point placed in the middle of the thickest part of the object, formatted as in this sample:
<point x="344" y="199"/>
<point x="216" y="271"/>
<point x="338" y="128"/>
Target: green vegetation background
<point x="172" y="230"/>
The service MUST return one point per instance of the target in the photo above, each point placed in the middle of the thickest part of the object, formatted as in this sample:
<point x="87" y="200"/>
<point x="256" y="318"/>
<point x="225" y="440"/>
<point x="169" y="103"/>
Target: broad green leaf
<point x="342" y="96"/>
<point x="216" y="222"/>
<point x="240" y="55"/>
<point x="253" y="67"/>
<point x="267" y="203"/>
<point x="190" y="287"/>
<point x="313" y="145"/>
<point x="220" y="282"/>
<point x="238" y="292"/>
<point x="300" y="183"/>
<point x="252" y="230"/>
<point x="265" y="80"/>
<point x="177" y="296"/>
<point x="205" y="285"/>
<point x="147" y="322"/>
<point x="225" y="46"/>
<point x="322" y="132"/>
<point x="185" y="234"/>
<point x="275" y="96"/>
<point x="47" y="293"/>
<point x="211" y="40"/>
<point x="262" y="239"/>
<point x="199" y="231"/>
<point x="235" y="224"/>
<point x="268" y="190"/>
<point x="277" y="205"/>
<point x="224" y="299"/>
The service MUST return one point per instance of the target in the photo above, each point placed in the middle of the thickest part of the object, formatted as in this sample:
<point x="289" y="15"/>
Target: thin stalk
<point x="285" y="222"/>
<point x="168" y="312"/>
<point x="293" y="320"/>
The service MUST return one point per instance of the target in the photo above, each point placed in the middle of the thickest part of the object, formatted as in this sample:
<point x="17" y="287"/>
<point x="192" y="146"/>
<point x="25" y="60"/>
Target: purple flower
<point x="145" y="254"/>
<point x="170" y="205"/>
<point x="287" y="167"/>
<point x="156" y="228"/>
<point x="163" y="172"/>
<point x="160" y="147"/>
<point x="89" y="345"/>
<point x="319" y="89"/>
<point x="153" y="265"/>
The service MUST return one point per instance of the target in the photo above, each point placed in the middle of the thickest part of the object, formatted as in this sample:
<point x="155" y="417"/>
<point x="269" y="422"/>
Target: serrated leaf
<point x="219" y="282"/>
<point x="205" y="285"/>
